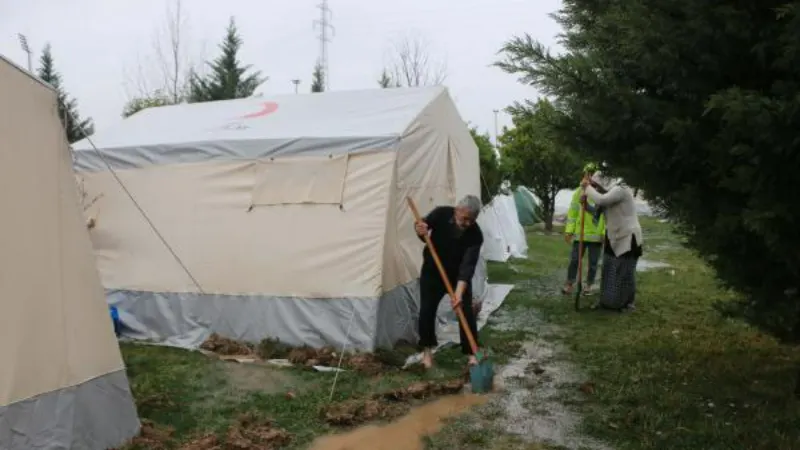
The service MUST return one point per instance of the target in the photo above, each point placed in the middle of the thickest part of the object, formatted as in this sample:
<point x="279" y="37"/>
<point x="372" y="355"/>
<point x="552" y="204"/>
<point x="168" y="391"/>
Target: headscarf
<point x="602" y="180"/>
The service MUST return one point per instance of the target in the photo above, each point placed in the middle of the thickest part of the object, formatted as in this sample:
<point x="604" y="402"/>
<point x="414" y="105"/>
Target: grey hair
<point x="472" y="204"/>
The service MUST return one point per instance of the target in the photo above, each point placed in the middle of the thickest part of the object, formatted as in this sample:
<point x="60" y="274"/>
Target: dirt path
<point x="530" y="408"/>
<point x="534" y="386"/>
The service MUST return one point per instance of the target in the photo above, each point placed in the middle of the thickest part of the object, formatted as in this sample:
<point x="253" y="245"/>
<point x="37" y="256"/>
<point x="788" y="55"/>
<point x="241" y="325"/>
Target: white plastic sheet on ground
<point x="447" y="322"/>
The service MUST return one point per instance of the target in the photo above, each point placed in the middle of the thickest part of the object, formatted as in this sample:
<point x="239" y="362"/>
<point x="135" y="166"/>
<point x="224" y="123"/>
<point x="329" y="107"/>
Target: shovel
<point x="481" y="375"/>
<point x="579" y="289"/>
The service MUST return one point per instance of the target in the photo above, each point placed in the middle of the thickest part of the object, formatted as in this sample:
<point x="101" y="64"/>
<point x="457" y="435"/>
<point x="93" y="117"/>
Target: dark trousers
<point x="431" y="292"/>
<point x="594" y="249"/>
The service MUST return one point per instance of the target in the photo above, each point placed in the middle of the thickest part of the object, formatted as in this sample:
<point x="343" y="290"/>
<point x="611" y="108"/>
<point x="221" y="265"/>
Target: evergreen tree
<point x="227" y="79"/>
<point x="157" y="98"/>
<point x="318" y="79"/>
<point x="491" y="178"/>
<point x="695" y="103"/>
<point x="75" y="128"/>
<point x="535" y="156"/>
<point x="385" y="81"/>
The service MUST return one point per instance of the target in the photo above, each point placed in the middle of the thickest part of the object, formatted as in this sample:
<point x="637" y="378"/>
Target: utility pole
<point x="296" y="85"/>
<point x="324" y="25"/>
<point x="495" y="128"/>
<point x="23" y="41"/>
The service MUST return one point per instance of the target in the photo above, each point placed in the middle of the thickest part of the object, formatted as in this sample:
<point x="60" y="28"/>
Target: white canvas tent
<point x="289" y="212"/>
<point x="504" y="236"/>
<point x="62" y="383"/>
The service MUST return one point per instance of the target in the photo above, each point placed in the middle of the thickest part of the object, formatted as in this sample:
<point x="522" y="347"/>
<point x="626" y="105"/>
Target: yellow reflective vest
<point x="593" y="231"/>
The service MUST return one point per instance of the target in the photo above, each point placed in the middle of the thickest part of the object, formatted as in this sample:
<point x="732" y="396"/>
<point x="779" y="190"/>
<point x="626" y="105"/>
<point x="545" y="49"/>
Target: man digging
<point x="458" y="239"/>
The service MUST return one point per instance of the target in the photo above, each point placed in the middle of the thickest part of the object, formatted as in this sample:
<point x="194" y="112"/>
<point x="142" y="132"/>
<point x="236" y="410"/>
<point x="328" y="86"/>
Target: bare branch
<point x="412" y="64"/>
<point x="170" y="65"/>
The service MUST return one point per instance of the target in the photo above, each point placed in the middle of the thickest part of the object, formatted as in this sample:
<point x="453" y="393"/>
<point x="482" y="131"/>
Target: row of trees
<point x="180" y="79"/>
<point x="173" y="76"/>
<point x="226" y="76"/>
<point x="704" y="120"/>
<point x="530" y="153"/>
<point x="532" y="156"/>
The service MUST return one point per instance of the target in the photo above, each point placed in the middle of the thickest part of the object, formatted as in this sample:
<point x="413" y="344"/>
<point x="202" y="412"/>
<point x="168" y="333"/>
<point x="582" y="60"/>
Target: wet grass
<point x="673" y="374"/>
<point x="195" y="394"/>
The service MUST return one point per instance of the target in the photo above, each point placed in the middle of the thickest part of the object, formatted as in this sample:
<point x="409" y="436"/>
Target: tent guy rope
<point x="135" y="203"/>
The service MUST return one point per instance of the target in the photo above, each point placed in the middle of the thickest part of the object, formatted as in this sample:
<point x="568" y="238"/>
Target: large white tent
<point x="62" y="383"/>
<point x="289" y="213"/>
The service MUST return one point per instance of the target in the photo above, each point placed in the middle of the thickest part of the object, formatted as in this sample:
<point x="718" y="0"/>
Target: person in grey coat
<point x="624" y="241"/>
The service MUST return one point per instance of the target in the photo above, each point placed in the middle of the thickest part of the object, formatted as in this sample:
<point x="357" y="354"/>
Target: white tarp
<point x="503" y="235"/>
<point x="447" y="324"/>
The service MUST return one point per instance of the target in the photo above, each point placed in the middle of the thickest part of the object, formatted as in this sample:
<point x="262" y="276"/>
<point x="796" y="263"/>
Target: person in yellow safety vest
<point x="593" y="234"/>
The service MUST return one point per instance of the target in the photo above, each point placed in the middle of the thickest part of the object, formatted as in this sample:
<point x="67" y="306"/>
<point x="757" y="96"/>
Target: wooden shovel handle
<point x="445" y="279"/>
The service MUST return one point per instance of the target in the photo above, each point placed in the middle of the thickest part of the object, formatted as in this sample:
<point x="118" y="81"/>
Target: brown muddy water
<point x="405" y="433"/>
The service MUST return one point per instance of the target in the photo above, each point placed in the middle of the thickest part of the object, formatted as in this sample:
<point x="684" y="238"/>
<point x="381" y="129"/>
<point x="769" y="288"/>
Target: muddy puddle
<point x="406" y="433"/>
<point x="645" y="264"/>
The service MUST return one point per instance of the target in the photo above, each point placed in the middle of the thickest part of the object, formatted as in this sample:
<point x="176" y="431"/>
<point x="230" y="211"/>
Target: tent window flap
<point x="302" y="180"/>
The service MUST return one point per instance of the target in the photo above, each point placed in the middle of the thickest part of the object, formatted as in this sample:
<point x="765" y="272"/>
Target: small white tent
<point x="504" y="236"/>
<point x="289" y="213"/>
<point x="62" y="383"/>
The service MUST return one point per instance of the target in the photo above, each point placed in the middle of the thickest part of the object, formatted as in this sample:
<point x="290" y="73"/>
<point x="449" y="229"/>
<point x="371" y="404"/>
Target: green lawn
<point x="671" y="375"/>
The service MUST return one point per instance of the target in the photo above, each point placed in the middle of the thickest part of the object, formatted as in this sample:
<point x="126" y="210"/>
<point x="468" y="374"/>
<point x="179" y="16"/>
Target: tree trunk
<point x="797" y="338"/>
<point x="548" y="209"/>
<point x="797" y="386"/>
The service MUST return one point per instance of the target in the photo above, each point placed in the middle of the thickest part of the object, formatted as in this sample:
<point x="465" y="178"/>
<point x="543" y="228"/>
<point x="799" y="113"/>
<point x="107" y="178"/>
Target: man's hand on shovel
<point x="459" y="293"/>
<point x="455" y="303"/>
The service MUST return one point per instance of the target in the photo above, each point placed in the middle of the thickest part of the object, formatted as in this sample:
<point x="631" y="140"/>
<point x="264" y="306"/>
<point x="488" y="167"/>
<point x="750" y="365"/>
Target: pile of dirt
<point x="424" y="389"/>
<point x="250" y="432"/>
<point x="355" y="412"/>
<point x="273" y="348"/>
<point x="253" y="432"/>
<point x="207" y="442"/>
<point x="387" y="405"/>
<point x="366" y="363"/>
<point x="227" y="347"/>
<point x="309" y="356"/>
<point x="152" y="437"/>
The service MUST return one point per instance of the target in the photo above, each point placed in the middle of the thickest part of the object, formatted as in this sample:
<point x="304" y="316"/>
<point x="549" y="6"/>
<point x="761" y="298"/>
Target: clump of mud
<point x="365" y="363"/>
<point x="370" y="364"/>
<point x="152" y="437"/>
<point x="273" y="348"/>
<point x="250" y="432"/>
<point x="253" y="432"/>
<point x="227" y="347"/>
<point x="387" y="405"/>
<point x="206" y="442"/>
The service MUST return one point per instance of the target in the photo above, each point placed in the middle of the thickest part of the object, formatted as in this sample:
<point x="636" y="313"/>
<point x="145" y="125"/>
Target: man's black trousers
<point x="432" y="290"/>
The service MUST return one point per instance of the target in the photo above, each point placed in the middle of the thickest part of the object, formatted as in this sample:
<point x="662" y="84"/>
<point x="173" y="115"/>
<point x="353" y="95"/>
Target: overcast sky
<point x="98" y="44"/>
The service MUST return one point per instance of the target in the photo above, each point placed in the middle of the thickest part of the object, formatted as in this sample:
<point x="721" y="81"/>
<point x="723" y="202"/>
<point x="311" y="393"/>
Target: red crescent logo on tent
<point x="266" y="108"/>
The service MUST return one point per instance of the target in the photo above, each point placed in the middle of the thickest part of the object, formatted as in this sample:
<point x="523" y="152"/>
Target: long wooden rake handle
<point x="445" y="279"/>
<point x="580" y="259"/>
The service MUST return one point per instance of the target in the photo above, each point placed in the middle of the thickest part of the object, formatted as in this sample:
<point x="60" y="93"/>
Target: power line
<point x="324" y="25"/>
